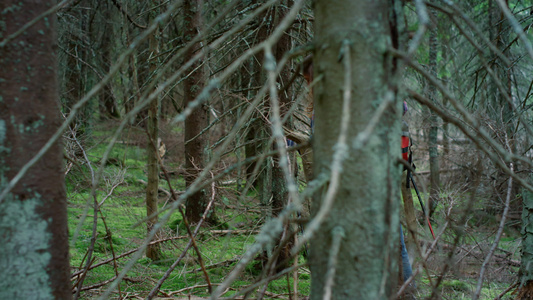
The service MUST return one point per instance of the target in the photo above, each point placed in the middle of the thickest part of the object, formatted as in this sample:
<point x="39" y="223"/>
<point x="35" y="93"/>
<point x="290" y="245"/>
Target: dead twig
<point x="213" y="266"/>
<point x="188" y="289"/>
<point x="512" y="286"/>
<point x="500" y="228"/>
<point x="338" y="235"/>
<point x="94" y="286"/>
<point x="125" y="13"/>
<point x="92" y="266"/>
<point x="110" y="240"/>
<point x="192" y="241"/>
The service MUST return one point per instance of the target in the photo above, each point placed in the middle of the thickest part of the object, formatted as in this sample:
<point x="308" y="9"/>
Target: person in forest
<point x="307" y="67"/>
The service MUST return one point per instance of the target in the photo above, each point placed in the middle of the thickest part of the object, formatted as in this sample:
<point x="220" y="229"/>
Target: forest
<point x="268" y="149"/>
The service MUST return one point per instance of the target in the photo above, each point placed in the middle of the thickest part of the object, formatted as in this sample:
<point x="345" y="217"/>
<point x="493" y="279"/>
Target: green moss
<point x="456" y="285"/>
<point x="133" y="163"/>
<point x="177" y="225"/>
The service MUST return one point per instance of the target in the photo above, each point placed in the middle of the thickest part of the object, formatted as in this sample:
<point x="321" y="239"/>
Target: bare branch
<point x="500" y="228"/>
<point x="338" y="234"/>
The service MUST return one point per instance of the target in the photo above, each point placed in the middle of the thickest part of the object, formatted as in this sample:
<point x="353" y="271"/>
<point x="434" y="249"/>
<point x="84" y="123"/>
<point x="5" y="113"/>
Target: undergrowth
<point x="124" y="213"/>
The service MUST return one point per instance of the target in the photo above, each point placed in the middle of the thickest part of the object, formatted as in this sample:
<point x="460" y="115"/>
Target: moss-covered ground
<point x="120" y="229"/>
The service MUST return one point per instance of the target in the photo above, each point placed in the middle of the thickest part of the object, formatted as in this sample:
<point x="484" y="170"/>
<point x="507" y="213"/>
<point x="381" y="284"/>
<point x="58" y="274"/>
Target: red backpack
<point x="406" y="142"/>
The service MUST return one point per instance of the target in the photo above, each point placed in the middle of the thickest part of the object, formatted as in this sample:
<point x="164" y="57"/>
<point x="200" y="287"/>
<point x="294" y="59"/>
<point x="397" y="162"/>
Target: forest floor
<point x="120" y="230"/>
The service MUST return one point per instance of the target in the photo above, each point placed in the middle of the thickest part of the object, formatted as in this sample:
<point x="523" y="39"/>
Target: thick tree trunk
<point x="366" y="204"/>
<point x="195" y="143"/>
<point x="34" y="261"/>
<point x="153" y="251"/>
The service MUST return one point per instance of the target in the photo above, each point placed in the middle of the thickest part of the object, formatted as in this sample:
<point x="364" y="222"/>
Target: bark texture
<point x="153" y="251"/>
<point x="257" y="132"/>
<point x="108" y="106"/>
<point x="367" y="201"/>
<point x="280" y="192"/>
<point x="195" y="143"/>
<point x="434" y="177"/>
<point x="34" y="262"/>
<point x="410" y="219"/>
<point x="307" y="154"/>
<point x="525" y="288"/>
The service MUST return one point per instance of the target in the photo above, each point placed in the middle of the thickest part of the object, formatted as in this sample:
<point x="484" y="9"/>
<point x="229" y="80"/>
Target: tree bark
<point x="307" y="154"/>
<point x="366" y="204"/>
<point x="34" y="259"/>
<point x="525" y="288"/>
<point x="280" y="192"/>
<point x="198" y="120"/>
<point x="140" y="68"/>
<point x="108" y="106"/>
<point x="434" y="176"/>
<point x="257" y="133"/>
<point x="153" y="251"/>
<point x="410" y="219"/>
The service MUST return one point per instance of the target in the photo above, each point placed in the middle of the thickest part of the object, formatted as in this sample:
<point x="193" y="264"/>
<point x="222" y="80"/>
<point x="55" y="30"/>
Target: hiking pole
<point x="421" y="204"/>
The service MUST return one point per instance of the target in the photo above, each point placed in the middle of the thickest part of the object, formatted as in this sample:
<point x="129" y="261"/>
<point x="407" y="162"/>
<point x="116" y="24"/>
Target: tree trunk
<point x="410" y="219"/>
<point x="134" y="94"/>
<point x="525" y="288"/>
<point x="256" y="135"/>
<point x="279" y="183"/>
<point x="434" y="177"/>
<point x="198" y="120"/>
<point x="108" y="106"/>
<point x="307" y="154"/>
<point x="72" y="83"/>
<point x="34" y="259"/>
<point x="141" y="74"/>
<point x="280" y="192"/>
<point x="153" y="251"/>
<point x="366" y="204"/>
<point x="445" y="124"/>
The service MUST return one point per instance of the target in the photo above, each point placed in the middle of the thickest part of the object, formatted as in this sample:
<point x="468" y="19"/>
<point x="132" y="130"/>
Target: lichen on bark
<point x="34" y="262"/>
<point x="26" y="238"/>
